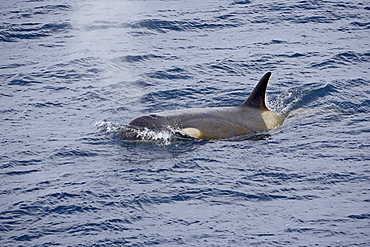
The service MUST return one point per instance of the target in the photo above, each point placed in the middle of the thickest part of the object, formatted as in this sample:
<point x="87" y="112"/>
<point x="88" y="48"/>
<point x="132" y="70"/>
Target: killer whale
<point x="215" y="122"/>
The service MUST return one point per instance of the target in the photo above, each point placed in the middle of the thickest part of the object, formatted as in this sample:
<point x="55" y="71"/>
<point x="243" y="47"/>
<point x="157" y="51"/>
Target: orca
<point x="215" y="123"/>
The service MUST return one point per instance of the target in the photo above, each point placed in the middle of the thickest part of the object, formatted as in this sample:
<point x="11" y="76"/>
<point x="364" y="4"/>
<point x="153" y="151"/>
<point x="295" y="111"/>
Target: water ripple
<point x="17" y="32"/>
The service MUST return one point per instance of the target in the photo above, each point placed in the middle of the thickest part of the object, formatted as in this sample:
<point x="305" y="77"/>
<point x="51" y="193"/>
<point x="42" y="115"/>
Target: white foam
<point x="109" y="127"/>
<point x="162" y="137"/>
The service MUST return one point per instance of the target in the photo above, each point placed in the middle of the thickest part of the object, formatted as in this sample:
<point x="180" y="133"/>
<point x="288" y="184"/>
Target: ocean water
<point x="72" y="73"/>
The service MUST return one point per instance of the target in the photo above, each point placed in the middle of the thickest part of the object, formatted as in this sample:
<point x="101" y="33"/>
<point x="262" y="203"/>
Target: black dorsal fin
<point x="257" y="98"/>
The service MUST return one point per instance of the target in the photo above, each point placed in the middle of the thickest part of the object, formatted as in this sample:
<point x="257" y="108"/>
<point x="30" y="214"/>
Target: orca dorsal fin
<point x="257" y="98"/>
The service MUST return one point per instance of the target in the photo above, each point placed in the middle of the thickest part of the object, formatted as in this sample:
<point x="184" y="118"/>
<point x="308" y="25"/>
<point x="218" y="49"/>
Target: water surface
<point x="73" y="72"/>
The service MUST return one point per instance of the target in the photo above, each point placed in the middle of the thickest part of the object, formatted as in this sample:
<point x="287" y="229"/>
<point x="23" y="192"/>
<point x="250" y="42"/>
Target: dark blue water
<point x="73" y="72"/>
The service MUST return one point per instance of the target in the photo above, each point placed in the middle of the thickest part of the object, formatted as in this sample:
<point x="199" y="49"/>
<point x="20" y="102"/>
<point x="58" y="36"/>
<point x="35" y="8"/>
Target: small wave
<point x="46" y="104"/>
<point x="100" y="25"/>
<point x="74" y="153"/>
<point x="356" y="25"/>
<point x="237" y="2"/>
<point x="43" y="76"/>
<point x="23" y="163"/>
<point x="12" y="173"/>
<point x="220" y="196"/>
<point x="24" y="80"/>
<point x="315" y="19"/>
<point x="163" y="26"/>
<point x="359" y="216"/>
<point x="16" y="32"/>
<point x="37" y="11"/>
<point x="15" y="65"/>
<point x="170" y="74"/>
<point x="90" y="228"/>
<point x="344" y="58"/>
<point x="137" y="58"/>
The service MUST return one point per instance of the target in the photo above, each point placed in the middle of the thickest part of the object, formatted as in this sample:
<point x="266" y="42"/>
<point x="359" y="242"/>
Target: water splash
<point x="108" y="127"/>
<point x="130" y="134"/>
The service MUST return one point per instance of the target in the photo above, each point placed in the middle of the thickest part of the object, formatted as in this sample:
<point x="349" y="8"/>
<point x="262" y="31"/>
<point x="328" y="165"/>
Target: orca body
<point x="216" y="122"/>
